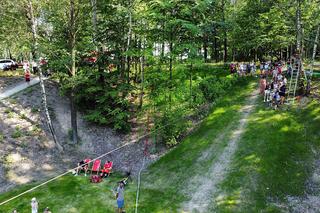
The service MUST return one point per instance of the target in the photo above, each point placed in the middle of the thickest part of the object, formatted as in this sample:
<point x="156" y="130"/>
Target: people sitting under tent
<point x="83" y="166"/>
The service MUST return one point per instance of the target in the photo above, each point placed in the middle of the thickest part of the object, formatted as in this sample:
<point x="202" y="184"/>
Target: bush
<point x="102" y="97"/>
<point x="215" y="87"/>
<point x="17" y="133"/>
<point x="171" y="126"/>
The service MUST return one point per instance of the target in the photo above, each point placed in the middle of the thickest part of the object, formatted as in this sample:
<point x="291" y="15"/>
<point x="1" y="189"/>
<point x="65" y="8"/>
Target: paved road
<point x="19" y="87"/>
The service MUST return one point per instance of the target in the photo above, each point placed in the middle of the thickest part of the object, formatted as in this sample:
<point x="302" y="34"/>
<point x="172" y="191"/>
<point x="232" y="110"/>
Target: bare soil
<point x="27" y="151"/>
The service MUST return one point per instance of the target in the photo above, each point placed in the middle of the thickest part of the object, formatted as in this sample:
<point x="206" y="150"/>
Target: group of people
<point x="273" y="90"/>
<point x="34" y="207"/>
<point x="243" y="69"/>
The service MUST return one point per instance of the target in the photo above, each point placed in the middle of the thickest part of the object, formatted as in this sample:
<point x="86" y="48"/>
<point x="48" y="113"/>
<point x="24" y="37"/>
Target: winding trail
<point x="208" y="182"/>
<point x="21" y="86"/>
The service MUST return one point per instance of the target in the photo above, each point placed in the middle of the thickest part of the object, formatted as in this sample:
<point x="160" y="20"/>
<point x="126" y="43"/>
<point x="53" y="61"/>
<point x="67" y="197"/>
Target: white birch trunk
<point x="33" y="26"/>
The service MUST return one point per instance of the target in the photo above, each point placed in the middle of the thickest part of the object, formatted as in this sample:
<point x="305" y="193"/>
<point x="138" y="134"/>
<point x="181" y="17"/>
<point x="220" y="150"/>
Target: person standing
<point x="34" y="205"/>
<point x="120" y="197"/>
<point x="25" y="66"/>
<point x="263" y="84"/>
<point x="27" y="76"/>
<point x="34" y="67"/>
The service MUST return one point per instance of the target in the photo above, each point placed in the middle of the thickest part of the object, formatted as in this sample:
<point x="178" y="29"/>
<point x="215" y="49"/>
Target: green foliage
<point x="23" y="116"/>
<point x="215" y="87"/>
<point x="102" y="97"/>
<point x="1" y="137"/>
<point x="17" y="133"/>
<point x="171" y="126"/>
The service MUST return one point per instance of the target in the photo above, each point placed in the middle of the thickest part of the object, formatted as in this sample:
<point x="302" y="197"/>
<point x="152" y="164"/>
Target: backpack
<point x="95" y="179"/>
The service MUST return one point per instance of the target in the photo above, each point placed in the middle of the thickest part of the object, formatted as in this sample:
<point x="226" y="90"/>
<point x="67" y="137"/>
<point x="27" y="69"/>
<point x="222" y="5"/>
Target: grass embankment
<point x="71" y="194"/>
<point x="161" y="186"/>
<point x="274" y="160"/>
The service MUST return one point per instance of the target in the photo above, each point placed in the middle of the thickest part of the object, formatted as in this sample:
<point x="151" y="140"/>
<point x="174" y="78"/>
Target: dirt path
<point x="17" y="88"/>
<point x="206" y="184"/>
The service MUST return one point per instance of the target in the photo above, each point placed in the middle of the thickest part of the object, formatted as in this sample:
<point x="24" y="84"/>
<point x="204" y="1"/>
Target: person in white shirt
<point x="34" y="205"/>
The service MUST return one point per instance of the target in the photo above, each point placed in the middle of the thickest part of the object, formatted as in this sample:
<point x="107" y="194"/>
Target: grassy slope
<point x="273" y="161"/>
<point x="162" y="188"/>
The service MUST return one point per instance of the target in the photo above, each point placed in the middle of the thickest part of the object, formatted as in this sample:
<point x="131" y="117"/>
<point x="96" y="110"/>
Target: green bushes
<point x="101" y="96"/>
<point x="215" y="87"/>
<point x="175" y="120"/>
<point x="171" y="126"/>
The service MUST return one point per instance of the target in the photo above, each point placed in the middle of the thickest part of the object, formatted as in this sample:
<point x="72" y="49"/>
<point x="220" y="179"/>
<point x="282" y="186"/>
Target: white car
<point x="7" y="64"/>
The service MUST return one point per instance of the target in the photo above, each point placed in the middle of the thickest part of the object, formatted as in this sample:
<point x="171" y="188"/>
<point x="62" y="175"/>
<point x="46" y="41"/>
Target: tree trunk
<point x="72" y="44"/>
<point x="225" y="39"/>
<point x="142" y="80"/>
<point x="94" y="21"/>
<point x="215" y="46"/>
<point x="205" y="48"/>
<point x="128" y="44"/>
<point x="190" y="84"/>
<point x="299" y="27"/>
<point x="33" y="27"/>
<point x="315" y="48"/>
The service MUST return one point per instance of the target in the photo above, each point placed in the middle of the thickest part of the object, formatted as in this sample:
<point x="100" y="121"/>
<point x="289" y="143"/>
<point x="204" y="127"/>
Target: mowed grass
<point x="164" y="182"/>
<point x="274" y="160"/>
<point x="71" y="194"/>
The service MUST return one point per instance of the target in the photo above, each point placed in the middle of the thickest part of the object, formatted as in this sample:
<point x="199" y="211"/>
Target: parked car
<point x="8" y="64"/>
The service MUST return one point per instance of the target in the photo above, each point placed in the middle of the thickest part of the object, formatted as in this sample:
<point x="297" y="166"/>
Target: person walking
<point x="120" y="197"/>
<point x="34" y="205"/>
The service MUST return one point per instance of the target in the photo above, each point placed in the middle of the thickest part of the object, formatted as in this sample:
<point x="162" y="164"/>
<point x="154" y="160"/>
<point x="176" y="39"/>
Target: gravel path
<point x="207" y="183"/>
<point x="18" y="87"/>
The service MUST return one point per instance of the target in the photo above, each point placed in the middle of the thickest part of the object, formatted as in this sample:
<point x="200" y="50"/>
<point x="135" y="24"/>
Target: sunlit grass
<point x="273" y="161"/>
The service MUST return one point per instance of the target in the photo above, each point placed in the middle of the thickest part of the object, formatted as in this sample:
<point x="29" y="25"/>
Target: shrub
<point x="215" y="87"/>
<point x="17" y="133"/>
<point x="171" y="126"/>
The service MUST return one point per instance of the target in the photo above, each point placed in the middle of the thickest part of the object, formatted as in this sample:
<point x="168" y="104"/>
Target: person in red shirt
<point x="105" y="172"/>
<point x="27" y="76"/>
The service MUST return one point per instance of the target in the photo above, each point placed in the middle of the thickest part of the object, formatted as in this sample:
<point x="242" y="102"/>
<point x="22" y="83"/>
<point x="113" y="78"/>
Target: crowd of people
<point x="273" y="83"/>
<point x="243" y="69"/>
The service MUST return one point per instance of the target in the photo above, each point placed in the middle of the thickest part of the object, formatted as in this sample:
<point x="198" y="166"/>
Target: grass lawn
<point x="164" y="182"/>
<point x="71" y="194"/>
<point x="274" y="160"/>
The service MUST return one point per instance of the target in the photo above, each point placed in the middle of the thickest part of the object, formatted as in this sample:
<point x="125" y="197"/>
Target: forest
<point x="161" y="67"/>
<point x="105" y="53"/>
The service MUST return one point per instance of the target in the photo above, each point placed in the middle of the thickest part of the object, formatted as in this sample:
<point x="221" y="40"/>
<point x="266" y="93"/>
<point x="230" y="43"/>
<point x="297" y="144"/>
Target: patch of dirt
<point x="206" y="184"/>
<point x="27" y="151"/>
